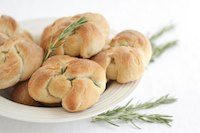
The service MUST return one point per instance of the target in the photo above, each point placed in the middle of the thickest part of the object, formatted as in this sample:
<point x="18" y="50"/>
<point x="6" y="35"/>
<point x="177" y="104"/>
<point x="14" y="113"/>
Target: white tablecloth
<point x="177" y="72"/>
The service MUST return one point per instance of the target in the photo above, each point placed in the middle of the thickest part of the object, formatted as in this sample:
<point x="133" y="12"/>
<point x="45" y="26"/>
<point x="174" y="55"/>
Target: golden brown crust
<point x="99" y="20"/>
<point x="10" y="27"/>
<point x="24" y="34"/>
<point x="49" y="30"/>
<point x="20" y="95"/>
<point x="123" y="64"/>
<point x="87" y="40"/>
<point x="19" y="58"/>
<point x="78" y="83"/>
<point x="81" y="96"/>
<point x="136" y="40"/>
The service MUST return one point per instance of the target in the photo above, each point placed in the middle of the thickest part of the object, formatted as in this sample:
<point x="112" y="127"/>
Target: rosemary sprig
<point x="63" y="35"/>
<point x="151" y="104"/>
<point x="160" y="49"/>
<point x="161" y="32"/>
<point x="128" y="113"/>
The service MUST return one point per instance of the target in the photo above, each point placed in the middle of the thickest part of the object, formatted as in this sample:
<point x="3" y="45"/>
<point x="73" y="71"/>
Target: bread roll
<point x="20" y="94"/>
<point x="19" y="58"/>
<point x="77" y="83"/>
<point x="123" y="64"/>
<point x="86" y="41"/>
<point x="10" y="27"/>
<point x="134" y="39"/>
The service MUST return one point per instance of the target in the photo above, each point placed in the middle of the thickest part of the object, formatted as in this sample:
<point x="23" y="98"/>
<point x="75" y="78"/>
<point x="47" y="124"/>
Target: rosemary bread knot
<point x="85" y="41"/>
<point x="123" y="64"/>
<point x="19" y="58"/>
<point x="76" y="83"/>
<point x="127" y="57"/>
<point x="136" y="40"/>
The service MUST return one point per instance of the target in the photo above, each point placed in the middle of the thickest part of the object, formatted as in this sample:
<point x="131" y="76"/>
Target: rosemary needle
<point x="127" y="113"/>
<point x="63" y="35"/>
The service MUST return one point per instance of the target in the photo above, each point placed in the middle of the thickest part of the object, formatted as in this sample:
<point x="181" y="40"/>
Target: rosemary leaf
<point x="63" y="35"/>
<point x="134" y="125"/>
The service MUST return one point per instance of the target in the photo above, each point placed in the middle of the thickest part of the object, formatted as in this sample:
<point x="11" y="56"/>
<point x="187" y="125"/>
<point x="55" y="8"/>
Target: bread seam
<point x="22" y="60"/>
<point x="47" y="88"/>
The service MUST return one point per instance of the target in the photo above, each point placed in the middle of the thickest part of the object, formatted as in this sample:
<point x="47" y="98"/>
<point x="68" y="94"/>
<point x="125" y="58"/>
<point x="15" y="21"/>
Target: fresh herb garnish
<point x="62" y="36"/>
<point x="128" y="113"/>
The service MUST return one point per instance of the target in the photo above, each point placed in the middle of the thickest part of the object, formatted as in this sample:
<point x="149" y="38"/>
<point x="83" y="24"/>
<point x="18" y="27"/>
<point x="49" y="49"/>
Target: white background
<point x="177" y="72"/>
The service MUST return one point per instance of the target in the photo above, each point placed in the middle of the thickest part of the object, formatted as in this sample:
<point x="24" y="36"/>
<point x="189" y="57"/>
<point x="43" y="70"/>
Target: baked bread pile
<point x="76" y="73"/>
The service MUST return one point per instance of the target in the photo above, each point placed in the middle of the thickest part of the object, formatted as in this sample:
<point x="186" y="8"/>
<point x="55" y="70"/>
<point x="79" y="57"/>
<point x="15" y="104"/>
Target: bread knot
<point x="19" y="58"/>
<point x="76" y="83"/>
<point x="86" y="41"/>
<point x="125" y="60"/>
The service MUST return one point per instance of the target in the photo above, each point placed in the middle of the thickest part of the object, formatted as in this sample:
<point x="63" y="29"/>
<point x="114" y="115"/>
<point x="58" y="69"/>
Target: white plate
<point x="114" y="94"/>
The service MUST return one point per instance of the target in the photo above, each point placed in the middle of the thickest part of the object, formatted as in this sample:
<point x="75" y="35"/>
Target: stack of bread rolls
<point x="76" y="73"/>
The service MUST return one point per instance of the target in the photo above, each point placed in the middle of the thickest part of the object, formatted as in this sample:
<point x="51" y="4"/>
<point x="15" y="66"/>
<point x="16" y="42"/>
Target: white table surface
<point x="177" y="72"/>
